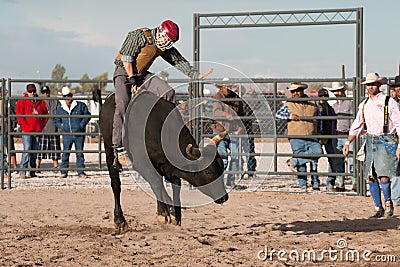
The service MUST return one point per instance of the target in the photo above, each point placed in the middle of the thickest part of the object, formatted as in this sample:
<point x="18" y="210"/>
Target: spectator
<point x="228" y="109"/>
<point x="396" y="179"/>
<point x="294" y="112"/>
<point x="379" y="161"/>
<point x="72" y="125"/>
<point x="30" y="106"/>
<point x="393" y="94"/>
<point x="248" y="141"/>
<point x="49" y="142"/>
<point x="328" y="127"/>
<point x="343" y="108"/>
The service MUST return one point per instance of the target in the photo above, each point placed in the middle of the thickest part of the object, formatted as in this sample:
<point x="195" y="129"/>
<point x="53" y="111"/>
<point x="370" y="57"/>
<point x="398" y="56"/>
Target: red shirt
<point x="27" y="107"/>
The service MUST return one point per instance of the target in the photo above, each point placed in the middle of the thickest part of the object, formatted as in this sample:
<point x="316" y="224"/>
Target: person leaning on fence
<point x="292" y="111"/>
<point x="30" y="106"/>
<point x="328" y="127"/>
<point x="70" y="124"/>
<point x="381" y="116"/>
<point x="343" y="108"/>
<point x="396" y="179"/>
<point x="228" y="111"/>
<point x="49" y="142"/>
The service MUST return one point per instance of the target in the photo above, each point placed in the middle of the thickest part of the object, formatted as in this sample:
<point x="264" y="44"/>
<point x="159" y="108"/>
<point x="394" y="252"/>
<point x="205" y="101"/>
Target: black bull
<point x="154" y="136"/>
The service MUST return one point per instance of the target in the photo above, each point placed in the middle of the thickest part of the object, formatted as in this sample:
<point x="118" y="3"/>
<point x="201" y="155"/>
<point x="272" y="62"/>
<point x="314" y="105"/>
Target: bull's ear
<point x="193" y="152"/>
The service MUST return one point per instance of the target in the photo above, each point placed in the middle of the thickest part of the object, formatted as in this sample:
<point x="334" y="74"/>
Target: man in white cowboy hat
<point x="69" y="124"/>
<point x="343" y="108"/>
<point x="395" y="85"/>
<point x="382" y="128"/>
<point x="292" y="111"/>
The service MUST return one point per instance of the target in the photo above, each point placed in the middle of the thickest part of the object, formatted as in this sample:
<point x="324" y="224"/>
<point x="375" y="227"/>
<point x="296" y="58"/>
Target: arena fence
<point x="264" y="130"/>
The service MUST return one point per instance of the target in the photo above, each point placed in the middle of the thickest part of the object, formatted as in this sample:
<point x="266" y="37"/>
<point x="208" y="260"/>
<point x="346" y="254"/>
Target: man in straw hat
<point x="292" y="111"/>
<point x="228" y="109"/>
<point x="380" y="164"/>
<point x="342" y="108"/>
<point x="395" y="85"/>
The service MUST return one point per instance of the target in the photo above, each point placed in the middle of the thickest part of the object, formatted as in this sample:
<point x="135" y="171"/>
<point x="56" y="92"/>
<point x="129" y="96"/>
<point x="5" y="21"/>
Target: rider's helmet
<point x="167" y="34"/>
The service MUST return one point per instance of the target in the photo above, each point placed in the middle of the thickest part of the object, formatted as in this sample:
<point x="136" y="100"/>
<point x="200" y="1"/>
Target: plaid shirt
<point x="283" y="113"/>
<point x="136" y="40"/>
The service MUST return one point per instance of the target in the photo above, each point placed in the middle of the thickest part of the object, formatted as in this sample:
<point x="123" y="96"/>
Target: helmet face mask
<point x="167" y="34"/>
<point x="162" y="40"/>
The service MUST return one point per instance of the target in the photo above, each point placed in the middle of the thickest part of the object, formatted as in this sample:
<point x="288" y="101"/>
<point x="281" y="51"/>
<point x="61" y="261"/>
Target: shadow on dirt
<point x="345" y="225"/>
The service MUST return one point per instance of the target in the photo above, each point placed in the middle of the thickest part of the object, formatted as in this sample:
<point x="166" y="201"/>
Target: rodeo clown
<point x="138" y="52"/>
<point x="380" y="114"/>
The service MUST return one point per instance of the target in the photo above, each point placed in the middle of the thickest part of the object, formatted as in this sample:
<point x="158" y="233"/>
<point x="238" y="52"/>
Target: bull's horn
<point x="216" y="139"/>
<point x="193" y="152"/>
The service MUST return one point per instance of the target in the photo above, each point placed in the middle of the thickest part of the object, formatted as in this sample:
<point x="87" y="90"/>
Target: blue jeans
<point x="28" y="160"/>
<point x="340" y="145"/>
<point x="385" y="164"/>
<point x="395" y="187"/>
<point x="231" y="144"/>
<point x="68" y="141"/>
<point x="335" y="164"/>
<point x="248" y="147"/>
<point x="306" y="146"/>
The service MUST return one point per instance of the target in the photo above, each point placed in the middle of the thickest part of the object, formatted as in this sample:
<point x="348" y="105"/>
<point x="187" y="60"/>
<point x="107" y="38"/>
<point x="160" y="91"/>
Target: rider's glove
<point x="132" y="80"/>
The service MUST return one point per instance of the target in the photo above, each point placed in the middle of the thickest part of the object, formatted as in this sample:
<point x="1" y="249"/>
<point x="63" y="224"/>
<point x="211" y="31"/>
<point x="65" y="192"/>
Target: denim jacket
<point x="68" y="124"/>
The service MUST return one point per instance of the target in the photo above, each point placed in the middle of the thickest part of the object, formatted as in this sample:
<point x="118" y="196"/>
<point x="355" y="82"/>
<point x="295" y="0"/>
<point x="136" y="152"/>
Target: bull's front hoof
<point x="121" y="228"/>
<point x="163" y="219"/>
<point x="175" y="220"/>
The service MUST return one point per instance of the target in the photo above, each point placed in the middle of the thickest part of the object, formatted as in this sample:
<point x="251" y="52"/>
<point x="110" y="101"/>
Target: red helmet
<point x="167" y="34"/>
<point x="171" y="29"/>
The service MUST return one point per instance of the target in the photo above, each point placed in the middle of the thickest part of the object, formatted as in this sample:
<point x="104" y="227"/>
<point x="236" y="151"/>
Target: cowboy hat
<point x="297" y="85"/>
<point x="374" y="77"/>
<point x="224" y="83"/>
<point x="66" y="91"/>
<point x="396" y="82"/>
<point x="337" y="86"/>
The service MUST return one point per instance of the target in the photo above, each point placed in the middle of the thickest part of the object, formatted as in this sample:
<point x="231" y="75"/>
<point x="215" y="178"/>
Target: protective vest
<point x="146" y="56"/>
<point x="303" y="127"/>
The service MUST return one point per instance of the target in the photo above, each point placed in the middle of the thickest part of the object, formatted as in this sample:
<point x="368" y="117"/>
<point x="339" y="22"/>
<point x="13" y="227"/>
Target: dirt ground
<point x="74" y="227"/>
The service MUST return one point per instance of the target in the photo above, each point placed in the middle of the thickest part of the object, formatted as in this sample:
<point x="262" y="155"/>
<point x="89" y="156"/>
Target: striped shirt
<point x="136" y="40"/>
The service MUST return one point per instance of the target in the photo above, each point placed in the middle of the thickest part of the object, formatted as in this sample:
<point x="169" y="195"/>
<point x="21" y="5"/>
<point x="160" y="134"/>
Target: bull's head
<point x="195" y="152"/>
<point x="208" y="168"/>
